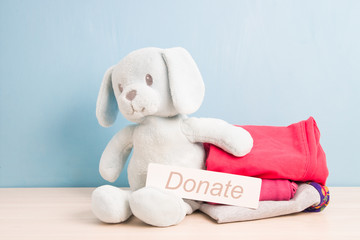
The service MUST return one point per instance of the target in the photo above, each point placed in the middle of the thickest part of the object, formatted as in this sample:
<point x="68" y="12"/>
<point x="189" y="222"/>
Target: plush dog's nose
<point x="131" y="95"/>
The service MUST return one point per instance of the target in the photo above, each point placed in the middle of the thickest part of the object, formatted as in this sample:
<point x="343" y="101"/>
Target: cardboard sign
<point x="205" y="185"/>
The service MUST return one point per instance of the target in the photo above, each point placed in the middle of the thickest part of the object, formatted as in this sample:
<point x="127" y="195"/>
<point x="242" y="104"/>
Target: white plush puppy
<point x="156" y="88"/>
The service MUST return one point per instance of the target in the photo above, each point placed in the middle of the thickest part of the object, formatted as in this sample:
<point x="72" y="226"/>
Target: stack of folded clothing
<point x="291" y="163"/>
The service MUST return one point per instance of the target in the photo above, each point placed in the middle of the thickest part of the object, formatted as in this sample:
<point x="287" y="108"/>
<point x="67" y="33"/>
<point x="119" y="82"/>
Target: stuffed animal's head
<point x="150" y="82"/>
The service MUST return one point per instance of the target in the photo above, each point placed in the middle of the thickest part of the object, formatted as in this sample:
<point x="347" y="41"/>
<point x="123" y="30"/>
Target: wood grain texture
<point x="64" y="213"/>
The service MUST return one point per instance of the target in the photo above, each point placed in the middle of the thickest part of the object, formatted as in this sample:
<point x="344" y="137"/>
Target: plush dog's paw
<point x="240" y="140"/>
<point x="157" y="207"/>
<point x="110" y="204"/>
<point x="232" y="139"/>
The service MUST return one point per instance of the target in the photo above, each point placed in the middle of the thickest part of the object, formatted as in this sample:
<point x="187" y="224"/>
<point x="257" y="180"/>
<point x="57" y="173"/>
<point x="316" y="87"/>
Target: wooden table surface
<point x="64" y="213"/>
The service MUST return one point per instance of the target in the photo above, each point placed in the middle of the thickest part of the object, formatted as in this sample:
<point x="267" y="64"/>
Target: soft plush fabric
<point x="155" y="88"/>
<point x="305" y="197"/>
<point x="186" y="86"/>
<point x="110" y="204"/>
<point x="158" y="208"/>
<point x="106" y="107"/>
<point x="293" y="152"/>
<point x="236" y="141"/>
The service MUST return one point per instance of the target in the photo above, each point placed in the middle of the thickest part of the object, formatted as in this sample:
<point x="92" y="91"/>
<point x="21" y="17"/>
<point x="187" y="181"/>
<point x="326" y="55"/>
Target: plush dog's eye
<point x="120" y="87"/>
<point x="149" y="79"/>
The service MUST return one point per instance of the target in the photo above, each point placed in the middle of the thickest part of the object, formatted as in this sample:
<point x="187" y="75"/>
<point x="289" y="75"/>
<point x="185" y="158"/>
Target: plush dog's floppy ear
<point x="185" y="81"/>
<point x="106" y="105"/>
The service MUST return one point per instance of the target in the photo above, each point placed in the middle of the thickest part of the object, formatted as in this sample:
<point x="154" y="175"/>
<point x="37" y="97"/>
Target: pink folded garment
<point x="293" y="153"/>
<point x="277" y="190"/>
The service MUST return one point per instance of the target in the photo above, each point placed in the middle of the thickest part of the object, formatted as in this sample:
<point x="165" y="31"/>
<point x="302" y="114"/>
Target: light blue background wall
<point x="263" y="62"/>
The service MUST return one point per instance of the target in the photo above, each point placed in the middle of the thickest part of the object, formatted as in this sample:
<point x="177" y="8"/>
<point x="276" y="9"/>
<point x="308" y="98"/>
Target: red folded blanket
<point x="292" y="153"/>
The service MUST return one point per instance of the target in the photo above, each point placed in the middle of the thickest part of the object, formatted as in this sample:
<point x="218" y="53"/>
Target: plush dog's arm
<point x="234" y="140"/>
<point x="116" y="153"/>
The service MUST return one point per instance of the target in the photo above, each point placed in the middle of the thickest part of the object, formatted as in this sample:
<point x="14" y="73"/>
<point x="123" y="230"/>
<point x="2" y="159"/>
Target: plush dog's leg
<point x="159" y="208"/>
<point x="111" y="204"/>
<point x="234" y="140"/>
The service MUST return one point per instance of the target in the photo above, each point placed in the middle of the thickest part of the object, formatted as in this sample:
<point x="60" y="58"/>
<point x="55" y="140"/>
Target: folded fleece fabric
<point x="310" y="197"/>
<point x="293" y="152"/>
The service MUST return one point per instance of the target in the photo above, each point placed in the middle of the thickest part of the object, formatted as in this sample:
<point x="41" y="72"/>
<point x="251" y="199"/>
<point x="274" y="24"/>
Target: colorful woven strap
<point x="324" y="198"/>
